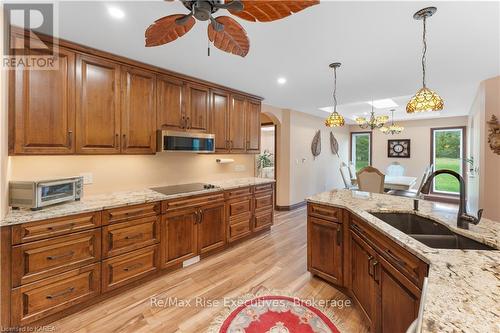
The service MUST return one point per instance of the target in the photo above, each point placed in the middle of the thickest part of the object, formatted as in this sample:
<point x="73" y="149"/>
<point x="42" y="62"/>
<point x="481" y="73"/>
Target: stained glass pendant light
<point x="373" y="122"/>
<point x="393" y="128"/>
<point x="334" y="119"/>
<point x="425" y="99"/>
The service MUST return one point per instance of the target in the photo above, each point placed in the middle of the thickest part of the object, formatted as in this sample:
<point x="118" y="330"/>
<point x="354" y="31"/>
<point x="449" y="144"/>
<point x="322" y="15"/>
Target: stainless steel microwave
<point x="37" y="194"/>
<point x="174" y="141"/>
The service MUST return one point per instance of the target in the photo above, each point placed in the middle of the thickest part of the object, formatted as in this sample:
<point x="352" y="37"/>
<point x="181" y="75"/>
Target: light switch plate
<point x="87" y="178"/>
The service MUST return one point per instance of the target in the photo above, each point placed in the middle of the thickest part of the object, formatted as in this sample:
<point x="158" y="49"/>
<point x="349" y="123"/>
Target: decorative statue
<point x="316" y="144"/>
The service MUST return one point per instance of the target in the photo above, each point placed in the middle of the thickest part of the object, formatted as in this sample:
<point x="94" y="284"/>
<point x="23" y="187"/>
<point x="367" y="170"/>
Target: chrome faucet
<point x="463" y="219"/>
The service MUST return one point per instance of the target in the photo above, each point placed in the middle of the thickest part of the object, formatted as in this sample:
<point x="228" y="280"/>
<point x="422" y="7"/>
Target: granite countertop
<point x="118" y="199"/>
<point x="463" y="290"/>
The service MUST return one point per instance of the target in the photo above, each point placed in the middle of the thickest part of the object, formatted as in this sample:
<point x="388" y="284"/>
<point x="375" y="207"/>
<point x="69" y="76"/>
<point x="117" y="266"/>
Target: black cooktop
<point x="183" y="188"/>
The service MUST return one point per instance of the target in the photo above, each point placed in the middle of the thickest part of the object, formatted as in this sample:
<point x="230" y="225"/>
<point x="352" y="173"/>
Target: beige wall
<point x="484" y="187"/>
<point x="127" y="172"/>
<point x="418" y="131"/>
<point x="3" y="130"/>
<point x="298" y="174"/>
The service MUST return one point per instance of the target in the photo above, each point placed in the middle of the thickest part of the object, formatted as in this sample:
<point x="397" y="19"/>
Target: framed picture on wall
<point x="398" y="148"/>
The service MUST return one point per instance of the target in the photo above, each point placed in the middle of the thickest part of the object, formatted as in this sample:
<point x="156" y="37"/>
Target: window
<point x="361" y="149"/>
<point x="447" y="152"/>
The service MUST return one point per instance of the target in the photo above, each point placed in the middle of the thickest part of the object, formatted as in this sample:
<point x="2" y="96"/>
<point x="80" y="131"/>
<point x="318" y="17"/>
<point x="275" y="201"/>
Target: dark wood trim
<point x="79" y="48"/>
<point x="291" y="207"/>
<point x="371" y="144"/>
<point x="5" y="276"/>
<point x="438" y="196"/>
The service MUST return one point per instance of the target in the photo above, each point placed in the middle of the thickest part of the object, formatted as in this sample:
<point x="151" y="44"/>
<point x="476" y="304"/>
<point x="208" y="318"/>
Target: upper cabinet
<point x="170" y="103"/>
<point x="253" y="126"/>
<point x="42" y="117"/>
<point x="138" y="111"/>
<point x="98" y="103"/>
<point x="97" y="106"/>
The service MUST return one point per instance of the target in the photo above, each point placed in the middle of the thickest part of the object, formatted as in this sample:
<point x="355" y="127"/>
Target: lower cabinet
<point x="211" y="228"/>
<point x="325" y="249"/>
<point x="179" y="236"/>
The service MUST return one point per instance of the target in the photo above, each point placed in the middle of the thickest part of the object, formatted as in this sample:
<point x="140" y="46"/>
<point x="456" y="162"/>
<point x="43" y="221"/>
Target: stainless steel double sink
<point x="430" y="232"/>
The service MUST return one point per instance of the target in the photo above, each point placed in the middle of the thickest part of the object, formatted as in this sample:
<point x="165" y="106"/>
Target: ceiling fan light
<point x="334" y="120"/>
<point x="425" y="100"/>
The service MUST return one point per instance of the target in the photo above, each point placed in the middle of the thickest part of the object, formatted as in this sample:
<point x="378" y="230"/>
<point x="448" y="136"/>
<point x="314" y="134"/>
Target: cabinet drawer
<point x="239" y="192"/>
<point x="129" y="267"/>
<point x="169" y="205"/>
<point x="239" y="207"/>
<point x="263" y="201"/>
<point x="263" y="220"/>
<point x="263" y="188"/>
<point x="28" y="232"/>
<point x="40" y="259"/>
<point x="40" y="299"/>
<point x="130" y="212"/>
<point x="123" y="237"/>
<point x="325" y="212"/>
<point x="409" y="265"/>
<point x="239" y="230"/>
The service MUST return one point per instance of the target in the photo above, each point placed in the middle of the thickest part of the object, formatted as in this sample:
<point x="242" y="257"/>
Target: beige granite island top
<point x="463" y="292"/>
<point x="118" y="199"/>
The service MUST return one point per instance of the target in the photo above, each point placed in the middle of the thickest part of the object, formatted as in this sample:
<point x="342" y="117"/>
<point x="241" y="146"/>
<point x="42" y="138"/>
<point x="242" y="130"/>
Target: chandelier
<point x="392" y="128"/>
<point x="334" y="119"/>
<point x="373" y="122"/>
<point x="425" y="99"/>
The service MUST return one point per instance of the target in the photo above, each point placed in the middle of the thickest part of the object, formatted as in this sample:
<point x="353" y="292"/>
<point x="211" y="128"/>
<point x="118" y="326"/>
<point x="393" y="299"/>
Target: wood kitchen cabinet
<point x="211" y="228"/>
<point x="197" y="107"/>
<point x="220" y="120"/>
<point x="42" y="115"/>
<point x="170" y="103"/>
<point x="253" y="126"/>
<point x="97" y="105"/>
<point x="237" y="124"/>
<point x="179" y="236"/>
<point x="138" y="111"/>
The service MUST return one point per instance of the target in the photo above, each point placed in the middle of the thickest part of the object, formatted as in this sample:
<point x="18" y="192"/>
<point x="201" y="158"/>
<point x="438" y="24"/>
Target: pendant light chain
<point x="424" y="51"/>
<point x="335" y="89"/>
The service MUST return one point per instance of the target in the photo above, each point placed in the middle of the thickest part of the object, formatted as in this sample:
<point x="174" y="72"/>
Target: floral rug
<point x="273" y="312"/>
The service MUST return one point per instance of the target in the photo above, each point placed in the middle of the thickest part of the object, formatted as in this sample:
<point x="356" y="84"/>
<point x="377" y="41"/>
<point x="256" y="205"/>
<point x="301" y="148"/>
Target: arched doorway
<point x="267" y="159"/>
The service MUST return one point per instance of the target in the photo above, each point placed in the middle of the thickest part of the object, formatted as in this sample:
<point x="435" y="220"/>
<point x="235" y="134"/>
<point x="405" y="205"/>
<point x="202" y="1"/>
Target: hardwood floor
<point x="275" y="260"/>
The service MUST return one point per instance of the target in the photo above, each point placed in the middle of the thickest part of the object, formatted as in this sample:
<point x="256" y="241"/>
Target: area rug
<point x="273" y="312"/>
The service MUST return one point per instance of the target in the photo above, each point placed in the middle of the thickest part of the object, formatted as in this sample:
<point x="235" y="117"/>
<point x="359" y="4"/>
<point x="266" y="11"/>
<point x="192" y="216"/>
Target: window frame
<point x="464" y="154"/>
<point x="370" y="133"/>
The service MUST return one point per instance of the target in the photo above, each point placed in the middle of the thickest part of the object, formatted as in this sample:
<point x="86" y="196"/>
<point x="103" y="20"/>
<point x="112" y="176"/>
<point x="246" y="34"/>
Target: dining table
<point x="395" y="182"/>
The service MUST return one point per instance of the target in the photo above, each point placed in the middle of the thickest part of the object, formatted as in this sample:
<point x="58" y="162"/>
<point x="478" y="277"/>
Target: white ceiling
<point x="378" y="43"/>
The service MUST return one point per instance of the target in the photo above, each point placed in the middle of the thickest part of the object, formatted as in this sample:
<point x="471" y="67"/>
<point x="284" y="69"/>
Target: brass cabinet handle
<point x="136" y="236"/>
<point x="200" y="216"/>
<point x="374" y="274"/>
<point x="66" y="226"/>
<point x="188" y="122"/>
<point x="339" y="236"/>
<point x="396" y="259"/>
<point x="196" y="213"/>
<point x="132" y="267"/>
<point x="67" y="254"/>
<point x="124" y="137"/>
<point x="370" y="267"/>
<point x="62" y="293"/>
<point x="117" y="137"/>
<point x="70" y="138"/>
<point x="183" y="122"/>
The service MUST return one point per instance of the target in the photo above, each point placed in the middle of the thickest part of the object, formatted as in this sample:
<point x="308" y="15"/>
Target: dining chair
<point x="370" y="179"/>
<point x="395" y="169"/>
<point x="414" y="193"/>
<point x="346" y="177"/>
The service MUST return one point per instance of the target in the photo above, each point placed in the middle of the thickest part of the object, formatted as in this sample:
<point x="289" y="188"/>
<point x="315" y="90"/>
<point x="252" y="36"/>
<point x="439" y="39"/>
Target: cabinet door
<point x="363" y="285"/>
<point x="253" y="127"/>
<point x="138" y="112"/>
<point x="211" y="228"/>
<point x="325" y="249"/>
<point x="179" y="237"/>
<point x="43" y="112"/>
<point x="237" y="124"/>
<point x="220" y="120"/>
<point x="198" y="108"/>
<point x="170" y="103"/>
<point x="98" y="106"/>
<point x="397" y="295"/>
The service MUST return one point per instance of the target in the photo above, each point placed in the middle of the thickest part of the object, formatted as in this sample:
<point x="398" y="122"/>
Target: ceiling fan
<point x="223" y="31"/>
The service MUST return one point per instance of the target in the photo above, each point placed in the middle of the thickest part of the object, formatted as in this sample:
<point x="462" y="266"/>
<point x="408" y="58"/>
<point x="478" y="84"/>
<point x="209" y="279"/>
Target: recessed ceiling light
<point x="281" y="80"/>
<point x="383" y="103"/>
<point x="116" y="12"/>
